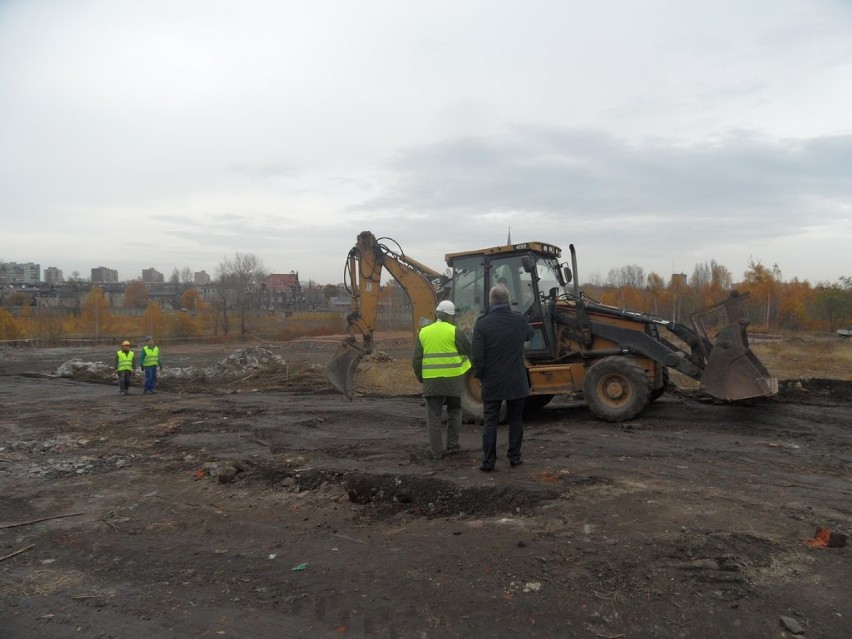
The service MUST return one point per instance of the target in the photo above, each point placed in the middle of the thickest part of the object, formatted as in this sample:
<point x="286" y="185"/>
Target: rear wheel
<point x="472" y="412"/>
<point x="471" y="400"/>
<point x="616" y="389"/>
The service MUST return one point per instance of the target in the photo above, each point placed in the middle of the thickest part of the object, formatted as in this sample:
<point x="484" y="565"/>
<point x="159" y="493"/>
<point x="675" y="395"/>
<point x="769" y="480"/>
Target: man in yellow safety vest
<point x="151" y="364"/>
<point x="440" y="361"/>
<point x="124" y="367"/>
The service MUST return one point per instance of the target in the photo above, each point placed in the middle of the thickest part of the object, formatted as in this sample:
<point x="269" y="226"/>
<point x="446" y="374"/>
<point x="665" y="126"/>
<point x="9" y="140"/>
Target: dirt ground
<point x="267" y="505"/>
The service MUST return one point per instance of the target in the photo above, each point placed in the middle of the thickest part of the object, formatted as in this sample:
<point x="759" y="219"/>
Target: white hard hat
<point x="446" y="307"/>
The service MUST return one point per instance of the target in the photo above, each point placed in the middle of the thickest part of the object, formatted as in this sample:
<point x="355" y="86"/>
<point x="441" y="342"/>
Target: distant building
<point x="201" y="278"/>
<point x="15" y="273"/>
<point x="104" y="275"/>
<point x="151" y="275"/>
<point x="678" y="280"/>
<point x="282" y="290"/>
<point x="53" y="275"/>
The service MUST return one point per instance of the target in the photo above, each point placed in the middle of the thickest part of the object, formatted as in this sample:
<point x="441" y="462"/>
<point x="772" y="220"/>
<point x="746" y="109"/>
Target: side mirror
<point x="528" y="263"/>
<point x="566" y="273"/>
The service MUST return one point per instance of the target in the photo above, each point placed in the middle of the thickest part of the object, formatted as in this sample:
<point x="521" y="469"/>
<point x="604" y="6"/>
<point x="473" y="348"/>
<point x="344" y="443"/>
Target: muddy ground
<point x="266" y="505"/>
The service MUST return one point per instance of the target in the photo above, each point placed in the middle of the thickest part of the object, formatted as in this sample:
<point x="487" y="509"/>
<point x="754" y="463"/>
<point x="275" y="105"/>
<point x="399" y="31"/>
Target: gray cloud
<point x="660" y="133"/>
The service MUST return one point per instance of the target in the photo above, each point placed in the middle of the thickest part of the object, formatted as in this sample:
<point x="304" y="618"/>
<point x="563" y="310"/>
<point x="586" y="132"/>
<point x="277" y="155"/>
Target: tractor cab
<point x="532" y="273"/>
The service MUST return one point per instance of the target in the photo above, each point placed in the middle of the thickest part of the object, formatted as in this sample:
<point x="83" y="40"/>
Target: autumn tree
<point x="153" y="321"/>
<point x="182" y="325"/>
<point x="626" y="284"/>
<point x="833" y="303"/>
<point x="94" y="313"/>
<point x="191" y="300"/>
<point x="709" y="283"/>
<point x="8" y="326"/>
<point x="49" y="323"/>
<point x="136" y="295"/>
<point x="764" y="285"/>
<point x="18" y="298"/>
<point x="657" y="291"/>
<point x="794" y="303"/>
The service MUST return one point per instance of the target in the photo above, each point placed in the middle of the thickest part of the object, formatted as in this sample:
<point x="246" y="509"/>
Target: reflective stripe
<point x="125" y="361"/>
<point x="151" y="356"/>
<point x="440" y="357"/>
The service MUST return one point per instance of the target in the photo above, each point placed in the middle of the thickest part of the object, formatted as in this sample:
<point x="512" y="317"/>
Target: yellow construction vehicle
<point x="618" y="358"/>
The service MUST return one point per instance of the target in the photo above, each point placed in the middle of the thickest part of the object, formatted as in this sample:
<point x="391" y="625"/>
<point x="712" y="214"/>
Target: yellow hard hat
<point x="125" y="343"/>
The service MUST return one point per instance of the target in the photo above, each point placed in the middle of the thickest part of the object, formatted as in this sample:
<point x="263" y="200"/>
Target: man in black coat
<point x="497" y="355"/>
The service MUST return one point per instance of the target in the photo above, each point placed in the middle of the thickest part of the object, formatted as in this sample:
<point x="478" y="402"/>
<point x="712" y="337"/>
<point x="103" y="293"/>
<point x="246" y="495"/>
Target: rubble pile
<point x="243" y="365"/>
<point x="241" y="361"/>
<point x="86" y="371"/>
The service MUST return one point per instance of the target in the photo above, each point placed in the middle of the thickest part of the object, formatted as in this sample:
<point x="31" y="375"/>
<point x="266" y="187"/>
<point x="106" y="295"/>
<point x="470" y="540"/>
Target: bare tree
<point x="701" y="277"/>
<point x="630" y="276"/>
<point x="721" y="277"/>
<point x="186" y="277"/>
<point x="241" y="278"/>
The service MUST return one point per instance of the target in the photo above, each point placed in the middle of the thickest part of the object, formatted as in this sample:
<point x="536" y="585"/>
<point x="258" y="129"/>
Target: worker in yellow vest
<point x="124" y="360"/>
<point x="440" y="361"/>
<point x="151" y="364"/>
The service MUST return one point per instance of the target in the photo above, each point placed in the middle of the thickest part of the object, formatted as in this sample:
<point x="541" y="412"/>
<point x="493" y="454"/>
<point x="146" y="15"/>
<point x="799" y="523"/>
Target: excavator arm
<point x="364" y="267"/>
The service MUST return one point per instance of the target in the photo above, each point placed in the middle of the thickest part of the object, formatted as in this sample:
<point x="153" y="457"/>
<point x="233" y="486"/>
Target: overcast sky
<point x="663" y="133"/>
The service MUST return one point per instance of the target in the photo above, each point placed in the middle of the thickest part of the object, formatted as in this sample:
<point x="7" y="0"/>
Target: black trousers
<point x="514" y="413"/>
<point x="124" y="378"/>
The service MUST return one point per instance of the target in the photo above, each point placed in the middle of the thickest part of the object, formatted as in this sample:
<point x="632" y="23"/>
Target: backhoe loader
<point x="619" y="359"/>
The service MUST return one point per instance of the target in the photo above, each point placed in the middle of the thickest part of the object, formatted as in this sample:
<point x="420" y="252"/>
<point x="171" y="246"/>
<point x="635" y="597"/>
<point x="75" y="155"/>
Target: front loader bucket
<point x="733" y="371"/>
<point x="341" y="369"/>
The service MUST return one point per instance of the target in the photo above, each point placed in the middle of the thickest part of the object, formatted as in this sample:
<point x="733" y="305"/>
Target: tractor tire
<point x="472" y="411"/>
<point x="658" y="392"/>
<point x="616" y="389"/>
<point x="472" y="400"/>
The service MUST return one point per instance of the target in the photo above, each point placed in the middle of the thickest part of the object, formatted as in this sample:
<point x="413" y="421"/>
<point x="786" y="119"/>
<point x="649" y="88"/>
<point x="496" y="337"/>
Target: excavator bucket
<point x="341" y="369"/>
<point x="733" y="371"/>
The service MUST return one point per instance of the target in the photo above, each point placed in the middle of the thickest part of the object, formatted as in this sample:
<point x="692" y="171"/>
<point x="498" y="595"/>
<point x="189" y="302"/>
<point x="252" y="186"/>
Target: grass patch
<point x="805" y="357"/>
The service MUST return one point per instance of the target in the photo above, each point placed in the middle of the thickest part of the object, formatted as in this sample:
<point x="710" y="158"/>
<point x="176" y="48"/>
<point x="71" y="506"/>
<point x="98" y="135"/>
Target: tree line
<point x="238" y="305"/>
<point x="774" y="304"/>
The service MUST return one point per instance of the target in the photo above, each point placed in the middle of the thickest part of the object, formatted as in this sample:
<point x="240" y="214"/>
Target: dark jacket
<point x="497" y="353"/>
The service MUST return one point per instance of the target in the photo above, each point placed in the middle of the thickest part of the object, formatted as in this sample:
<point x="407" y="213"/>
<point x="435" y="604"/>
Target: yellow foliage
<point x="182" y="325"/>
<point x="8" y="326"/>
<point x="306" y="324"/>
<point x="152" y="320"/>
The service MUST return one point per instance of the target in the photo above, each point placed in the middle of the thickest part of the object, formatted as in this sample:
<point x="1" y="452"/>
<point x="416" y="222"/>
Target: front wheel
<point x="662" y="384"/>
<point x="616" y="389"/>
